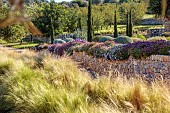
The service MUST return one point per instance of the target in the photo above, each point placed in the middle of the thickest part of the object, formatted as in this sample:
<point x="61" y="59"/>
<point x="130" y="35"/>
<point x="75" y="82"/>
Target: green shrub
<point x="166" y="34"/>
<point x="26" y="39"/>
<point x="168" y="38"/>
<point x="106" y="38"/>
<point x="59" y="41"/>
<point x="86" y="46"/>
<point x="141" y="36"/>
<point x="37" y="41"/>
<point x="2" y="41"/>
<point x="75" y="36"/>
<point x="137" y="40"/>
<point x="123" y="40"/>
<point x="95" y="34"/>
<point x="68" y="39"/>
<point x="96" y="38"/>
<point x="156" y="38"/>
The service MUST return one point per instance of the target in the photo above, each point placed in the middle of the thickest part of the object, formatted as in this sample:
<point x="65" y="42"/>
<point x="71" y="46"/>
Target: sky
<point x="63" y="0"/>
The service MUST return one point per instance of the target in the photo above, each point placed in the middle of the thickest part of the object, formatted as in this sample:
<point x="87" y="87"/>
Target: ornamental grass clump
<point x="59" y="86"/>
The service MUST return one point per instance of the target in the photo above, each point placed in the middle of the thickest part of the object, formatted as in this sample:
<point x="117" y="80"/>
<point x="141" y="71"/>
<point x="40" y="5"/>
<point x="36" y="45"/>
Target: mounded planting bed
<point x="153" y="68"/>
<point x="149" y="60"/>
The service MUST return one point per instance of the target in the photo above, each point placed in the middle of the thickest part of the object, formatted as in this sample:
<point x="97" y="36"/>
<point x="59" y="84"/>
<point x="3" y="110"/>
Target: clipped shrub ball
<point x="141" y="36"/>
<point x="168" y="38"/>
<point x="68" y="39"/>
<point x="59" y="41"/>
<point x="123" y="40"/>
<point x="156" y="38"/>
<point x="75" y="36"/>
<point x="96" y="38"/>
<point x="137" y="40"/>
<point x="106" y="38"/>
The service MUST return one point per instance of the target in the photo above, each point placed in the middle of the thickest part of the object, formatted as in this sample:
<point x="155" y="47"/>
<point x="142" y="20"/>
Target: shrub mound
<point x="168" y="38"/>
<point x="156" y="38"/>
<point x="113" y="51"/>
<point x="59" y="41"/>
<point x="97" y="38"/>
<point x="68" y="39"/>
<point x="137" y="40"/>
<point x="141" y="36"/>
<point x="106" y="38"/>
<point x="123" y="40"/>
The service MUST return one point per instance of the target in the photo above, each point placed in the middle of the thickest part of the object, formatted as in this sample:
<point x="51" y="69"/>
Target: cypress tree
<point x="130" y="24"/>
<point x="115" y="25"/>
<point x="89" y="23"/>
<point x="79" y="23"/>
<point x="127" y="24"/>
<point x="52" y="26"/>
<point x="93" y="26"/>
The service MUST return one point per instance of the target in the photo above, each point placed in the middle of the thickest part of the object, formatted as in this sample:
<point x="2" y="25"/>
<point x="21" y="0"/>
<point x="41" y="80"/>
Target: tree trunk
<point x="89" y="22"/>
<point x="115" y="25"/>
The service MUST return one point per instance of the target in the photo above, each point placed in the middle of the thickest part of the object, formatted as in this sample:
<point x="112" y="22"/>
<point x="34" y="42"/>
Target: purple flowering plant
<point x="145" y="49"/>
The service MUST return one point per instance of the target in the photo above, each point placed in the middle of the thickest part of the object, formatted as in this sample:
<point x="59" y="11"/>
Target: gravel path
<point x="10" y="48"/>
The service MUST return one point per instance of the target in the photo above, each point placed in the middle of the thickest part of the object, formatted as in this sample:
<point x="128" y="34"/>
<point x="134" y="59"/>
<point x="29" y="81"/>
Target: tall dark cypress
<point x="52" y="26"/>
<point x="115" y="25"/>
<point x="130" y="24"/>
<point x="79" y="23"/>
<point x="89" y="23"/>
<point x="127" y="24"/>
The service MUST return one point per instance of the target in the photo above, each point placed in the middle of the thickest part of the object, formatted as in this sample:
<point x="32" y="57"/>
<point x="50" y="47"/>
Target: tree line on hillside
<point x="69" y="18"/>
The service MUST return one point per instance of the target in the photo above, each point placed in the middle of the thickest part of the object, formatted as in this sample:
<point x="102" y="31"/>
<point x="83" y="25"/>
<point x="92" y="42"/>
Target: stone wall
<point x="151" y="68"/>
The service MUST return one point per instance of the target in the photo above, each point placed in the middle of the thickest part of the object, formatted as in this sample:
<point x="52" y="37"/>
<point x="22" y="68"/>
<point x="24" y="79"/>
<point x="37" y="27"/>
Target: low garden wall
<point x="155" y="67"/>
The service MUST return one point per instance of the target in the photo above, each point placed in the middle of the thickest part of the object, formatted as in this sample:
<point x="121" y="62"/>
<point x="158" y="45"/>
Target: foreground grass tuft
<point x="39" y="83"/>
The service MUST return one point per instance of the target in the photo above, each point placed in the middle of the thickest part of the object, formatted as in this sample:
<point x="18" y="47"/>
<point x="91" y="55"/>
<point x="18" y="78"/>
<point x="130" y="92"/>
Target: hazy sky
<point x="63" y="0"/>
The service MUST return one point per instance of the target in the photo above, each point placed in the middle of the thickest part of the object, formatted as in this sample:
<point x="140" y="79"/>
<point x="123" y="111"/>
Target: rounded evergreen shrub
<point x="123" y="40"/>
<point x="59" y="41"/>
<point x="137" y="40"/>
<point x="75" y="36"/>
<point x="141" y="36"/>
<point x="96" y="38"/>
<point x="156" y="38"/>
<point x="68" y="39"/>
<point x="106" y="38"/>
<point x="168" y="38"/>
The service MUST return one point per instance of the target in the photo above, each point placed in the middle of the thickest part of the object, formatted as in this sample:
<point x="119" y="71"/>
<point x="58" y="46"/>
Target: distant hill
<point x="30" y="1"/>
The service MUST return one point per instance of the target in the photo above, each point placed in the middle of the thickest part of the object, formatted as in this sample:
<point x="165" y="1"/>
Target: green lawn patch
<point x="146" y="16"/>
<point x="24" y="46"/>
<point x="17" y="45"/>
